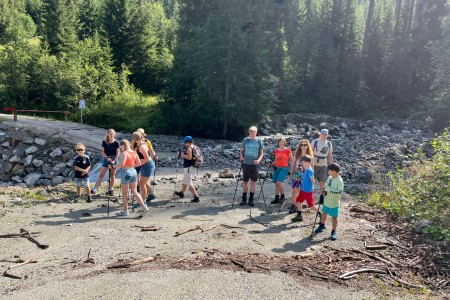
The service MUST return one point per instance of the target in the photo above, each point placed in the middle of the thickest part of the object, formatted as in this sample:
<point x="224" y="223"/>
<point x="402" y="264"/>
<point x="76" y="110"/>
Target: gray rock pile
<point x="364" y="149"/>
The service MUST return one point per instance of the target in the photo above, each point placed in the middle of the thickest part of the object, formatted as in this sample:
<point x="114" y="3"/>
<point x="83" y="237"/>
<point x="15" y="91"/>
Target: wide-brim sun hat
<point x="187" y="138"/>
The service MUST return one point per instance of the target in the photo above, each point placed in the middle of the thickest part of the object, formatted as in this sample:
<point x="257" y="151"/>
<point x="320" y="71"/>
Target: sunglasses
<point x="80" y="149"/>
<point x="303" y="145"/>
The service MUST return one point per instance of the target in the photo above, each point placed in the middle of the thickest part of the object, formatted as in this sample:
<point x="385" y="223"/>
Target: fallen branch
<point x="186" y="230"/>
<point x="130" y="263"/>
<point x="151" y="229"/>
<point x="13" y="235"/>
<point x="320" y="276"/>
<point x="363" y="211"/>
<point x="238" y="263"/>
<point x="368" y="270"/>
<point x="262" y="267"/>
<point x="210" y="228"/>
<point x="388" y="262"/>
<point x="6" y="274"/>
<point x="231" y="227"/>
<point x="416" y="286"/>
<point x="31" y="261"/>
<point x="28" y="235"/>
<point x="376" y="247"/>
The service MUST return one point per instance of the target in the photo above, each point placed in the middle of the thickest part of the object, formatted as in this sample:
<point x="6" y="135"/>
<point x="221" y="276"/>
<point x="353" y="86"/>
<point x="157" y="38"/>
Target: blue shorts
<point x="148" y="169"/>
<point x="81" y="182"/>
<point x="296" y="183"/>
<point x="333" y="212"/>
<point x="105" y="162"/>
<point x="279" y="174"/>
<point x="128" y="176"/>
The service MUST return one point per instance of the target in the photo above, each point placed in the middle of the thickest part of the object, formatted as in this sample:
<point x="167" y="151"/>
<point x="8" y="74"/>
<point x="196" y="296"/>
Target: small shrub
<point x="421" y="191"/>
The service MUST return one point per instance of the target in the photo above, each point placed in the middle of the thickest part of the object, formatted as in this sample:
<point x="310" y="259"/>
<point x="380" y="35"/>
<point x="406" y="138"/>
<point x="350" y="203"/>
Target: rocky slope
<point x="32" y="156"/>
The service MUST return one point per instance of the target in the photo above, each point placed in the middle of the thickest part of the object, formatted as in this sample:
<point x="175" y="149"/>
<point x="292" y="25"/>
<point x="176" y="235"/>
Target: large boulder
<point x="56" y="153"/>
<point x="31" y="150"/>
<point x="40" y="142"/>
<point x="28" y="160"/>
<point x="38" y="163"/>
<point x="31" y="179"/>
<point x="57" y="180"/>
<point x="58" y="169"/>
<point x="18" y="169"/>
<point x="226" y="173"/>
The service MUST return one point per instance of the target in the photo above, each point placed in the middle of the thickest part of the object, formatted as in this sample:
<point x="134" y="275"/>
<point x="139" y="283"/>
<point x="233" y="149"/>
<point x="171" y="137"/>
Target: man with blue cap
<point x="188" y="169"/>
<point x="323" y="156"/>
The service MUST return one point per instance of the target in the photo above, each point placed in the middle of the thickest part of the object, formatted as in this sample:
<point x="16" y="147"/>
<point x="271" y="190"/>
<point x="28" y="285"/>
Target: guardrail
<point x="15" y="111"/>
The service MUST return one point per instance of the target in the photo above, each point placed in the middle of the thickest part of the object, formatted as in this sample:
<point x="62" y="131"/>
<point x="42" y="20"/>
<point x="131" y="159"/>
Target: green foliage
<point x="422" y="191"/>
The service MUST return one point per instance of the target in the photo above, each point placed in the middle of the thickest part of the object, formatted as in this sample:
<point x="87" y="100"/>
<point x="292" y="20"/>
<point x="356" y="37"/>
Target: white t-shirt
<point x="321" y="152"/>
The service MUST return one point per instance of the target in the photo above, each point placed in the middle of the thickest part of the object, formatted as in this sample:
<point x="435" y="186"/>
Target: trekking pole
<point x="237" y="182"/>
<point x="154" y="178"/>
<point x="262" y="186"/>
<point x="317" y="214"/>
<point x="109" y="183"/>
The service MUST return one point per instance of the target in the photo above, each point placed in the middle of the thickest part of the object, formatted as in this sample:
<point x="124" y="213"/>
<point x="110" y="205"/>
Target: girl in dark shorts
<point x="110" y="153"/>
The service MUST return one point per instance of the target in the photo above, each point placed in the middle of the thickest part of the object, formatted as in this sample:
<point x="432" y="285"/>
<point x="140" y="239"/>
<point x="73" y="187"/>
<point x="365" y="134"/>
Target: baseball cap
<point x="324" y="131"/>
<point x="253" y="128"/>
<point x="187" y="138"/>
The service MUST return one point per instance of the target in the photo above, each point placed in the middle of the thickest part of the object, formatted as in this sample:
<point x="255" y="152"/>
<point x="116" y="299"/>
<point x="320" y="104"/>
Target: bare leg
<point x="245" y="187"/>
<point x="101" y="175"/>
<point x="279" y="187"/>
<point x="183" y="188"/>
<point x="78" y="190"/>
<point x="125" y="196"/>
<point x="143" y="184"/>
<point x="294" y="195"/>
<point x="334" y="223"/>
<point x="133" y="188"/>
<point x="88" y="191"/>
<point x="322" y="187"/>
<point x="252" y="186"/>
<point x="112" y="177"/>
<point x="193" y="191"/>
<point x="324" y="218"/>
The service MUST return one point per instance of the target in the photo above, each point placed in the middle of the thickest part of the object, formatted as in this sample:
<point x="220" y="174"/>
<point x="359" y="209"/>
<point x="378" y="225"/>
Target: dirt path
<point x="229" y="256"/>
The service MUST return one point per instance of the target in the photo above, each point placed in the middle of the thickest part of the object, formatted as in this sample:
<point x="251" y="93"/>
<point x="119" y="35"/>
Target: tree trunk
<point x="227" y="86"/>
<point x="398" y="8"/>
<point x="367" y="31"/>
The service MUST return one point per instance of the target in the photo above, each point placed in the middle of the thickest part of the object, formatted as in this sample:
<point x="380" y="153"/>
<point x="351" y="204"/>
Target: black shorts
<point x="250" y="172"/>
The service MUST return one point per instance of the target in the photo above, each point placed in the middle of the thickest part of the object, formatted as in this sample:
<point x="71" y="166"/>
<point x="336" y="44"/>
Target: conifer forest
<point x="214" y="67"/>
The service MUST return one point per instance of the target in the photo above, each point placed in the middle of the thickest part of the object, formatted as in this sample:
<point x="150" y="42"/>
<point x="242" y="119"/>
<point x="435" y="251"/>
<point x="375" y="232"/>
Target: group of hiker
<point x="310" y="162"/>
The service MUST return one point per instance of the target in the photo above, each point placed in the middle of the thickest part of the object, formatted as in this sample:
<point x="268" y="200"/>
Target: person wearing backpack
<point x="189" y="160"/>
<point x="251" y="154"/>
<point x="323" y="156"/>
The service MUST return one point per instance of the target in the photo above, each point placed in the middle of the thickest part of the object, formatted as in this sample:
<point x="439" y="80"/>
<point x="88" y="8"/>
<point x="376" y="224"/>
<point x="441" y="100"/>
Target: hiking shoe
<point x="121" y="213"/>
<point x="151" y="197"/>
<point x="321" y="228"/>
<point x="195" y="199"/>
<point x="250" y="201"/>
<point x="333" y="236"/>
<point x="297" y="218"/>
<point x="244" y="200"/>
<point x="93" y="192"/>
<point x="110" y="193"/>
<point x="142" y="212"/>
<point x="179" y="194"/>
<point x="276" y="200"/>
<point x="77" y="198"/>
<point x="282" y="199"/>
<point x="89" y="199"/>
<point x="292" y="209"/>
